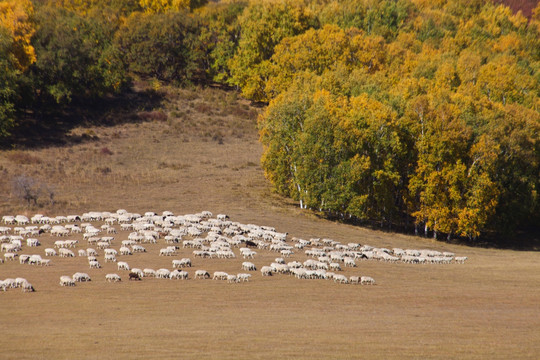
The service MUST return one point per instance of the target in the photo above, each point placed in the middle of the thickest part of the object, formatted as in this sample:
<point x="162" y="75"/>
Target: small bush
<point x="156" y="115"/>
<point x="30" y="189"/>
<point x="23" y="158"/>
<point x="105" y="151"/>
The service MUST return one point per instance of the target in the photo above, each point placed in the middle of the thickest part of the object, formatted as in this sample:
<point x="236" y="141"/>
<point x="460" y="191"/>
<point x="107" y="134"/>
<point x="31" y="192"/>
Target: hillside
<point x="200" y="151"/>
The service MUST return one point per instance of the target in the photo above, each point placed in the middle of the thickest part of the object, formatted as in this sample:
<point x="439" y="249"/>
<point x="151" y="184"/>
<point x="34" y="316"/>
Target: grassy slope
<point x="203" y="157"/>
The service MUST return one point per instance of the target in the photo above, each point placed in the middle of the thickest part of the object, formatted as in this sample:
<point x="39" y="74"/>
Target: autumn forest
<point x="411" y="114"/>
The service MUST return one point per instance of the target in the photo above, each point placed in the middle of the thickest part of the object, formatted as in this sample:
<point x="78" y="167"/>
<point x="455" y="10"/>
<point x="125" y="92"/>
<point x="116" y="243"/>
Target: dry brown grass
<point x="485" y="309"/>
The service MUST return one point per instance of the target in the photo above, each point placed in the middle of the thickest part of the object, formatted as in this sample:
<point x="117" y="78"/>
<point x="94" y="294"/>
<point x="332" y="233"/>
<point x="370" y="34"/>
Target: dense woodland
<point x="409" y="113"/>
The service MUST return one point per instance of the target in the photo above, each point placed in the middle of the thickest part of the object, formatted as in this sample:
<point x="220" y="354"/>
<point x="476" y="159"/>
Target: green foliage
<point x="163" y="46"/>
<point x="73" y="56"/>
<point x="435" y="120"/>
<point x="263" y="25"/>
<point x="16" y="54"/>
<point x="395" y="111"/>
<point x="219" y="34"/>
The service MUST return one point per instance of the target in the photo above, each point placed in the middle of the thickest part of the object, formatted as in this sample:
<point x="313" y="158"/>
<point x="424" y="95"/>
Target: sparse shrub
<point x="23" y="158"/>
<point x="156" y="115"/>
<point x="204" y="108"/>
<point x="104" y="170"/>
<point x="27" y="188"/>
<point x="105" y="151"/>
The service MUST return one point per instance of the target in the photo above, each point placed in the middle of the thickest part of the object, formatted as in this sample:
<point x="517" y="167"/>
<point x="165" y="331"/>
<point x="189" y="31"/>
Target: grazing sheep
<point x="220" y="275"/>
<point x="243" y="277"/>
<point x="138" y="248"/>
<point x="10" y="256"/>
<point x="94" y="264"/>
<point x="335" y="266"/>
<point x="125" y="251"/>
<point x="111" y="252"/>
<point x="110" y="258"/>
<point x="248" y="266"/>
<point x="163" y="274"/>
<point x="35" y="260"/>
<point x="232" y="279"/>
<point x="66" y="281"/>
<point x="149" y="272"/>
<point x="45" y="262"/>
<point x="32" y="242"/>
<point x="460" y="259"/>
<point x="267" y="271"/>
<point x="202" y="274"/>
<point x="113" y="278"/>
<point x="349" y="262"/>
<point x="354" y="280"/>
<point x="122" y="265"/>
<point x="367" y="280"/>
<point x="134" y="276"/>
<point x="342" y="279"/>
<point x="179" y="274"/>
<point x="27" y="287"/>
<point x="81" y="277"/>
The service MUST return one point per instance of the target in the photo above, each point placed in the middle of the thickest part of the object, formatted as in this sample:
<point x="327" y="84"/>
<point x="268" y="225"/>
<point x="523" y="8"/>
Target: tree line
<point x="407" y="113"/>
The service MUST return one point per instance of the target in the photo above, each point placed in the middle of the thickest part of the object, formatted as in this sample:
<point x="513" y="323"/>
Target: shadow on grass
<point x="50" y="126"/>
<point x="526" y="239"/>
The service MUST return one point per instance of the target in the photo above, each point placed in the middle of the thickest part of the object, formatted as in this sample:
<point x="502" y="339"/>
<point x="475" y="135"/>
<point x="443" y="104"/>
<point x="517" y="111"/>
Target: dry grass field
<point x="200" y="152"/>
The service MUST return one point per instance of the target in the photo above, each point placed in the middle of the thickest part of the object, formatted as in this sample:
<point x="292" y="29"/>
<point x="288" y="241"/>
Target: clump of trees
<point x="410" y="113"/>
<point x="421" y="114"/>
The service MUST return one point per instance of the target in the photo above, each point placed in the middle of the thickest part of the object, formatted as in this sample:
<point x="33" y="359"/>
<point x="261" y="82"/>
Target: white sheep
<point x="267" y="271"/>
<point x="110" y="258"/>
<point x="81" y="277"/>
<point x="66" y="281"/>
<point x="111" y="252"/>
<point x="27" y="287"/>
<point x="367" y="280"/>
<point x="138" y="248"/>
<point x="232" y="279"/>
<point x="35" y="260"/>
<point x="163" y="273"/>
<point x="248" y="266"/>
<point x="32" y="242"/>
<point x="94" y="264"/>
<point x="122" y="265"/>
<point x="242" y="277"/>
<point x="113" y="278"/>
<point x="460" y="259"/>
<point x="220" y="275"/>
<point x="342" y="279"/>
<point x="125" y="251"/>
<point x="10" y="256"/>
<point x="349" y="262"/>
<point x="202" y="274"/>
<point x="179" y="274"/>
<point x="63" y="252"/>
<point x="149" y="272"/>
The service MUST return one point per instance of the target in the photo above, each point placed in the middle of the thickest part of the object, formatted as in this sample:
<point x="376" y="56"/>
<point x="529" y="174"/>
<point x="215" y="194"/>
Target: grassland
<point x="199" y="151"/>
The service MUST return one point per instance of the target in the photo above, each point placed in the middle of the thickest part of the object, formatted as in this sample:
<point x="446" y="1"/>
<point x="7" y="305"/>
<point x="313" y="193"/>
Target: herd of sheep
<point x="201" y="234"/>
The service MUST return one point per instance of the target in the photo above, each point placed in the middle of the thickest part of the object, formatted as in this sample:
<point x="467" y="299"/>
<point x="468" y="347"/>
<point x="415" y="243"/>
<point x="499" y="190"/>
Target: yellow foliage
<point x="15" y="18"/>
<point x="160" y="6"/>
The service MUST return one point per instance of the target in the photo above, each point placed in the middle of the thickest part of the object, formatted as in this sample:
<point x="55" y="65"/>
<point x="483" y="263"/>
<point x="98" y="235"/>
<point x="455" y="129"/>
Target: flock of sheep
<point x="209" y="238"/>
